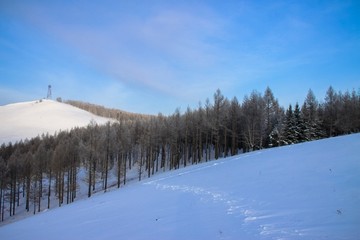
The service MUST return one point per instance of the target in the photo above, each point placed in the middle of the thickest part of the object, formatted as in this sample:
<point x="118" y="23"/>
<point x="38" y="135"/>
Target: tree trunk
<point x="118" y="161"/>
<point x="106" y="171"/>
<point x="68" y="187"/>
<point x="49" y="189"/>
<point x="148" y="157"/>
<point x="27" y="205"/>
<point x="2" y="203"/>
<point x="90" y="179"/>
<point x="40" y="193"/>
<point x="18" y="195"/>
<point x="94" y="174"/>
<point x="74" y="173"/>
<point x="34" y="196"/>
<point x="14" y="195"/>
<point x="1" y="196"/>
<point x="163" y="156"/>
<point x="124" y="157"/>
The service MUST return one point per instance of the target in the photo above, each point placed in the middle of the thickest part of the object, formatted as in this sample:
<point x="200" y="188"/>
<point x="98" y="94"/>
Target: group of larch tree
<point x="47" y="170"/>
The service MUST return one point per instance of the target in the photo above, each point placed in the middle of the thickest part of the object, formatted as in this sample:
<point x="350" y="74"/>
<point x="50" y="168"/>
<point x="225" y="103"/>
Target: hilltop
<point x="30" y="119"/>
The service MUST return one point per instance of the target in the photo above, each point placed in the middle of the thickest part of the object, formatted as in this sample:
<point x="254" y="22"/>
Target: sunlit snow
<point x="30" y="119"/>
<point x="304" y="191"/>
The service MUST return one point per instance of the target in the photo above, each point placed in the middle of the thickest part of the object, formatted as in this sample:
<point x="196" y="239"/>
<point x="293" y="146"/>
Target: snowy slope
<point x="30" y="119"/>
<point x="304" y="191"/>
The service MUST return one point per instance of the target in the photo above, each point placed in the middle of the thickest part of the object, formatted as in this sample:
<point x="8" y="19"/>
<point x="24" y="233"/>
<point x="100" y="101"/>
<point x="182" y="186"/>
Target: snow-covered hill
<point x="30" y="119"/>
<point x="304" y="191"/>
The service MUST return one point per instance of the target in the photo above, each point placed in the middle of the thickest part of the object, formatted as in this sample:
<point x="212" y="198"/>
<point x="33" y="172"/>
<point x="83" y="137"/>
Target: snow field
<point x="304" y="191"/>
<point x="31" y="119"/>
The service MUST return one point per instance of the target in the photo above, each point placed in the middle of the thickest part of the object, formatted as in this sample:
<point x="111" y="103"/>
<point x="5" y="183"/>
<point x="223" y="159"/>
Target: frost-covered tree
<point x="218" y="121"/>
<point x="299" y="125"/>
<point x="3" y="183"/>
<point x="272" y="115"/>
<point x="289" y="128"/>
<point x="331" y="111"/>
<point x="235" y="127"/>
<point x="310" y="114"/>
<point x="154" y="143"/>
<point x="253" y="121"/>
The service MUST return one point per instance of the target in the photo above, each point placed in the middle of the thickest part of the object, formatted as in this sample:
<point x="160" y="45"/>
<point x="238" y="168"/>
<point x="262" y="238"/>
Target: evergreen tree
<point x="289" y="129"/>
<point x="310" y="114"/>
<point x="160" y="142"/>
<point x="299" y="125"/>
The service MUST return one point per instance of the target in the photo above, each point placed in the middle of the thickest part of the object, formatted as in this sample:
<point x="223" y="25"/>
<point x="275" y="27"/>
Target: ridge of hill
<point x="303" y="191"/>
<point x="19" y="121"/>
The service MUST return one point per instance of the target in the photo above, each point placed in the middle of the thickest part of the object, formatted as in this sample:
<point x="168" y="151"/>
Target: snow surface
<point x="30" y="119"/>
<point x="304" y="191"/>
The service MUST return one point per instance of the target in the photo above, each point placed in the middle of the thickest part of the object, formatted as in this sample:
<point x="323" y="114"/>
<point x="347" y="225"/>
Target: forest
<point x="35" y="170"/>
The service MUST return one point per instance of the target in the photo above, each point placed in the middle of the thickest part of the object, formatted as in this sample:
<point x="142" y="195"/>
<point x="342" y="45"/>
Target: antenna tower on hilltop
<point x="49" y="92"/>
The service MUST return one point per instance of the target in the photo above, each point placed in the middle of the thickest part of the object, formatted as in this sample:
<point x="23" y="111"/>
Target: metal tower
<point x="49" y="92"/>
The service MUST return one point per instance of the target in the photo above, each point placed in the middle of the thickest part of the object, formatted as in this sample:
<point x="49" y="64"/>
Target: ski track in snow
<point x="239" y="208"/>
<point x="283" y="193"/>
<point x="235" y="207"/>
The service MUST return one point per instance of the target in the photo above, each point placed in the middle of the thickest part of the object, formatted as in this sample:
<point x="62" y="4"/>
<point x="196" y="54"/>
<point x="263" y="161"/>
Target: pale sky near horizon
<point x="156" y="56"/>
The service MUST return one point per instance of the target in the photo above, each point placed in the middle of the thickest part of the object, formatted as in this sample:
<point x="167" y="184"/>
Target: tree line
<point x="34" y="171"/>
<point x="105" y="112"/>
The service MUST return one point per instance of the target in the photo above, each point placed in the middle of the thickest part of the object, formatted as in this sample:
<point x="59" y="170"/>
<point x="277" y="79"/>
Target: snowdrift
<point x="30" y="119"/>
<point x="304" y="191"/>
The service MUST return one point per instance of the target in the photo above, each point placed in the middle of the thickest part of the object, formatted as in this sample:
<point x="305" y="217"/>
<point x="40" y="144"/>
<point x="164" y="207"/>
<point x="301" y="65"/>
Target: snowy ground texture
<point x="304" y="191"/>
<point x="30" y="119"/>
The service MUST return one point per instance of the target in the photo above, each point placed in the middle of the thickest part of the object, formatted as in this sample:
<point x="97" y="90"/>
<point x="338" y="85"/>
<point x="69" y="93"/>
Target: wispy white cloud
<point x="156" y="50"/>
<point x="185" y="51"/>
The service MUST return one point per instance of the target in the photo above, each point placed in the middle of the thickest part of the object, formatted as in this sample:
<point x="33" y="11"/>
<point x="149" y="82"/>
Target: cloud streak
<point x="156" y="50"/>
<point x="181" y="51"/>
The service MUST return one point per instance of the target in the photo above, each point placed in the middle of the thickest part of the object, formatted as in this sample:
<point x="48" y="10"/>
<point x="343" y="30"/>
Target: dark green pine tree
<point x="299" y="125"/>
<point x="275" y="138"/>
<point x="310" y="116"/>
<point x="289" y="129"/>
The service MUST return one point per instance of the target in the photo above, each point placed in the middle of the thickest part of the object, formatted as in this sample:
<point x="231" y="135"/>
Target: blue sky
<point x="156" y="56"/>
